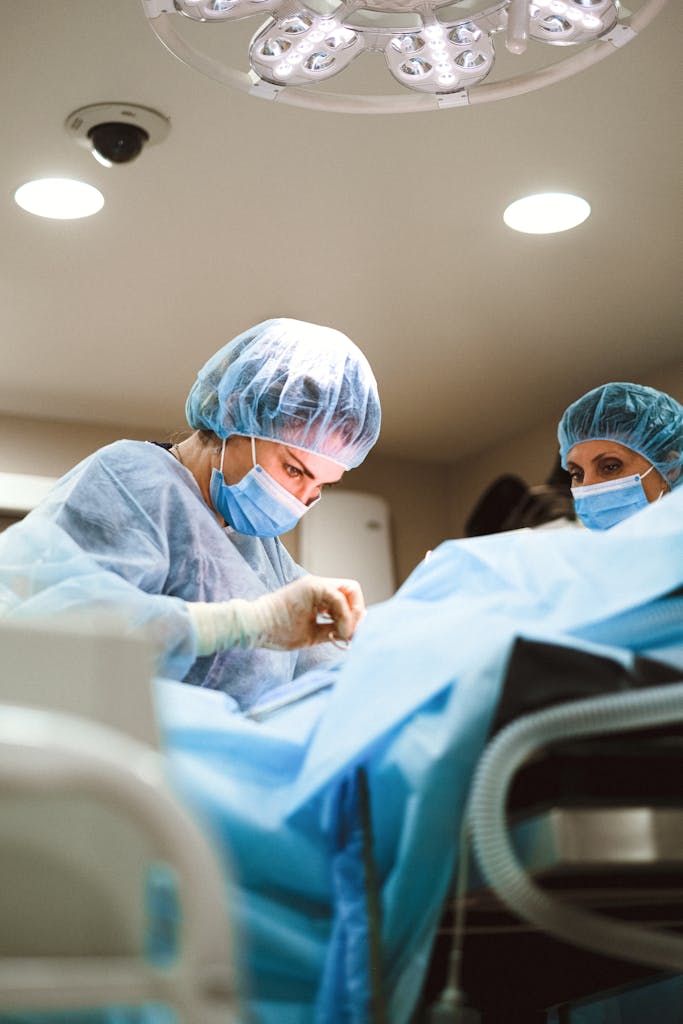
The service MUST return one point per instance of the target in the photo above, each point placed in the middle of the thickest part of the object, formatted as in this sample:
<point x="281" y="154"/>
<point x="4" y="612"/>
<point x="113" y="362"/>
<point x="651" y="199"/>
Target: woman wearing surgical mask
<point x="191" y="531"/>
<point x="622" y="445"/>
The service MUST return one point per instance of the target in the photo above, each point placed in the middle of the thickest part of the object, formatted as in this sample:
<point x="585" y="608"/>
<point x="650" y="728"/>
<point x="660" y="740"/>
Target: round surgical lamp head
<point x="441" y="52"/>
<point x="116" y="133"/>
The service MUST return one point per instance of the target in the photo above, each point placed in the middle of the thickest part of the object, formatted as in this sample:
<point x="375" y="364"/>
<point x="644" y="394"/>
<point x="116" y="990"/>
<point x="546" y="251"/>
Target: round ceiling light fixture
<point x="59" y="198"/>
<point x="546" y="213"/>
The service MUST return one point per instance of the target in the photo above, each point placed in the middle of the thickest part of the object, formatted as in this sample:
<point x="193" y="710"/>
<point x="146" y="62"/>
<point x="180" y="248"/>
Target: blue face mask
<point x="600" y="506"/>
<point x="258" y="505"/>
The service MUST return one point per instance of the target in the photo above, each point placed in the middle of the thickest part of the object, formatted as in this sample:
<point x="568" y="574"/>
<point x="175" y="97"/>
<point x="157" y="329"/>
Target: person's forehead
<point x="317" y="465"/>
<point x="586" y="451"/>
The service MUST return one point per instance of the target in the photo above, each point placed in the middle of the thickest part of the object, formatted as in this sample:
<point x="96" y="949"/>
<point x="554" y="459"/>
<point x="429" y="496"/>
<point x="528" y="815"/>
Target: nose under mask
<point x="257" y="505"/>
<point x="600" y="506"/>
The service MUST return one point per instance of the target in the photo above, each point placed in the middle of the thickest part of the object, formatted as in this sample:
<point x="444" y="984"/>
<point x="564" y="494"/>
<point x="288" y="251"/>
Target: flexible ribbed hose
<point x="615" y="713"/>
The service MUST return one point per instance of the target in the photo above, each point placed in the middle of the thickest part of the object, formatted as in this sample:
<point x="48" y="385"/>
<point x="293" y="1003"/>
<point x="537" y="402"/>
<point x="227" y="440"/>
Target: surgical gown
<point x="140" y="515"/>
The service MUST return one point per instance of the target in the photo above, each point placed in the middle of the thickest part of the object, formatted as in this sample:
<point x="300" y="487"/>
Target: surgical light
<point x="546" y="213"/>
<point x="59" y="198"/>
<point x="442" y="59"/>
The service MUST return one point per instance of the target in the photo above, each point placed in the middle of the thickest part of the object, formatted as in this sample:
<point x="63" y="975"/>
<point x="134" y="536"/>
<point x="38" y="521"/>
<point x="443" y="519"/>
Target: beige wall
<point x="49" y="448"/>
<point x="418" y="497"/>
<point x="530" y="456"/>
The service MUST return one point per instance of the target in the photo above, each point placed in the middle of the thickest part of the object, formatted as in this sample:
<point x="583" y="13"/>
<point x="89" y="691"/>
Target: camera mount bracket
<point x="81" y="122"/>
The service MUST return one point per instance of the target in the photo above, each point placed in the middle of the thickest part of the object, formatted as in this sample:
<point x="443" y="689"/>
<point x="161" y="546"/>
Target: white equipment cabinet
<point x="349" y="534"/>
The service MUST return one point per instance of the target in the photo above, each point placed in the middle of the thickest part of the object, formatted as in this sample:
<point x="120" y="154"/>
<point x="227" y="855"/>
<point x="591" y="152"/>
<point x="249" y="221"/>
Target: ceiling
<point x="387" y="227"/>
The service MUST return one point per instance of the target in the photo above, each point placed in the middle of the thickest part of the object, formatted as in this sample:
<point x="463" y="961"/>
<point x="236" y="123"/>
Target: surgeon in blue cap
<point x="185" y="538"/>
<point x="622" y="445"/>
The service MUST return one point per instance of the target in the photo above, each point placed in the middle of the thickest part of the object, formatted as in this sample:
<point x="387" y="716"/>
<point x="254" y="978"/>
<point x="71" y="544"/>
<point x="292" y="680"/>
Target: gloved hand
<point x="283" y="620"/>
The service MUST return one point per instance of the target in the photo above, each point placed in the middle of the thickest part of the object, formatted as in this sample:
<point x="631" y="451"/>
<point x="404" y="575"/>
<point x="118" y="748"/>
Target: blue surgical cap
<point x="647" y="421"/>
<point x="292" y="382"/>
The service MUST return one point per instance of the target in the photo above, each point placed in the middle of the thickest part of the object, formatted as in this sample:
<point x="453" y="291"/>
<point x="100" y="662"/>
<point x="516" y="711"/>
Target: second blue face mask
<point x="600" y="506"/>
<point x="257" y="505"/>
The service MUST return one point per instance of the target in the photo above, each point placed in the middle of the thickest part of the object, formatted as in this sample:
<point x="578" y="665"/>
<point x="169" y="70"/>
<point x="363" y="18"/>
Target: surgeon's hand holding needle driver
<point x="311" y="610"/>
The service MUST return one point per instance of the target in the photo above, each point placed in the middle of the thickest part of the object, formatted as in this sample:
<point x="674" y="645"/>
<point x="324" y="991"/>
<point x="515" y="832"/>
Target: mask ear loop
<point x="253" y="452"/>
<point x="663" y="490"/>
<point x="222" y="455"/>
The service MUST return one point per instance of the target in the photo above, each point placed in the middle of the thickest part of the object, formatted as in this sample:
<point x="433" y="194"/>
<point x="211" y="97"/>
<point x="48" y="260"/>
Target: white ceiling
<point x="387" y="227"/>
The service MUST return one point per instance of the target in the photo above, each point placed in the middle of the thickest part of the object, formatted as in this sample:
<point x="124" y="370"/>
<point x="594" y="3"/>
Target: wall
<point x="418" y="496"/>
<point x="49" y="448"/>
<point x="530" y="455"/>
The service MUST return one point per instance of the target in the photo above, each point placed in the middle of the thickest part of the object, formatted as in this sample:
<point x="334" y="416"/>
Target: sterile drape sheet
<point x="412" y="703"/>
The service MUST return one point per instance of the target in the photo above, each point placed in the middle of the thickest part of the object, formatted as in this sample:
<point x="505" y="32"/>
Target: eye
<point x="611" y="467"/>
<point x="575" y="475"/>
<point x="294" y="472"/>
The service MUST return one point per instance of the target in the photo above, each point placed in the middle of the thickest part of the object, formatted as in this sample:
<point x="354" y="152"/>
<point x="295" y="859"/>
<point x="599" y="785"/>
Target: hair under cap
<point x="292" y="382"/>
<point x="647" y="421"/>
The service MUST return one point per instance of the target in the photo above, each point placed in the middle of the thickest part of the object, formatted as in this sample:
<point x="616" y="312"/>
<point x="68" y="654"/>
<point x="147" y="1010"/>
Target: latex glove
<point x="284" y="620"/>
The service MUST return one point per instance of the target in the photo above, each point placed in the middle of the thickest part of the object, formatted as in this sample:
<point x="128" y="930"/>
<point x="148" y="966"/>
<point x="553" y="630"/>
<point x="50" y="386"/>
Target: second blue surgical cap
<point x="649" y="422"/>
<point x="292" y="382"/>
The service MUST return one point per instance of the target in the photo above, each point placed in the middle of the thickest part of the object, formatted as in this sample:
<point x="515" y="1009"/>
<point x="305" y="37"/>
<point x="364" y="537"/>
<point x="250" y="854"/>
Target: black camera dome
<point x="117" y="142"/>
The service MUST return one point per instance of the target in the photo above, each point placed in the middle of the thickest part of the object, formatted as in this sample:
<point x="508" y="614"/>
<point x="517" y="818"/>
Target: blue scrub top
<point x="139" y="514"/>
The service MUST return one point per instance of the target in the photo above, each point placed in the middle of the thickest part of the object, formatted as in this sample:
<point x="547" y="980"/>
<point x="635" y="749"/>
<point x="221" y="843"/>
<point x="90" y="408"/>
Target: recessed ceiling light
<point x="59" y="198"/>
<point x="546" y="213"/>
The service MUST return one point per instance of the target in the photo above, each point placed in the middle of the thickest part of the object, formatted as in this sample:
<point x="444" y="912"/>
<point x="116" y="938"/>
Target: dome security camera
<point x="116" y="133"/>
<point x="117" y="143"/>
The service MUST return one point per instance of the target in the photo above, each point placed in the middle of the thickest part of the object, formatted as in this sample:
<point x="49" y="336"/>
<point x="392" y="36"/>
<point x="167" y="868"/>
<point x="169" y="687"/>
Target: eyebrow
<point x="304" y="468"/>
<point x="306" y="471"/>
<point x="596" y="458"/>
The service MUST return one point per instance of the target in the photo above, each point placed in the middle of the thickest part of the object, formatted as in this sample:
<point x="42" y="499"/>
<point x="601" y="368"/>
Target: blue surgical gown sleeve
<point x="144" y="538"/>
